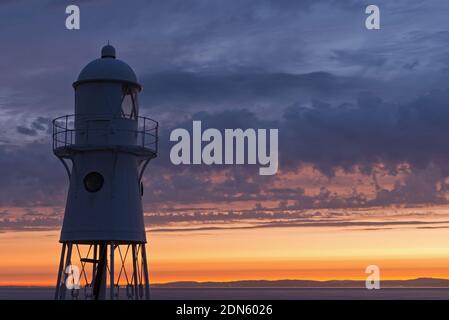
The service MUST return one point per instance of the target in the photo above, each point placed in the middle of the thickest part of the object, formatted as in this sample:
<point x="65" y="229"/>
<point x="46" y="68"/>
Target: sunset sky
<point x="363" y="119"/>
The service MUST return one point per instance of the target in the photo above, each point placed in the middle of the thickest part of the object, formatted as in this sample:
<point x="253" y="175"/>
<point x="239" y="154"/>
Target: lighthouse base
<point x="103" y="270"/>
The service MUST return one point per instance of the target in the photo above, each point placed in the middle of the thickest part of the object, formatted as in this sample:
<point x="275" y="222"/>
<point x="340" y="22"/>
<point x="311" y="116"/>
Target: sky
<point x="362" y="116"/>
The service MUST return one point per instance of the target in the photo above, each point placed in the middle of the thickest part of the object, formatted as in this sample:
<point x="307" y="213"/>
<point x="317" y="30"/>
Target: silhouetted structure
<point x="108" y="146"/>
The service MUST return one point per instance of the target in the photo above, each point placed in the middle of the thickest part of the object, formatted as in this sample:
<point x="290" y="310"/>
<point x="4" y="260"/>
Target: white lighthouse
<point x="105" y="147"/>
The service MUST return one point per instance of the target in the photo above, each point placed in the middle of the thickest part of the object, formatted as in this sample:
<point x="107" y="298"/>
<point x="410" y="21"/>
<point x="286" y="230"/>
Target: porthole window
<point x="93" y="181"/>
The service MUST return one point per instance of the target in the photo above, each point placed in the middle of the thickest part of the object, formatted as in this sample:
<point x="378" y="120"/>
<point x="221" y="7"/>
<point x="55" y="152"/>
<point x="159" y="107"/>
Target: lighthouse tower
<point x="105" y="147"/>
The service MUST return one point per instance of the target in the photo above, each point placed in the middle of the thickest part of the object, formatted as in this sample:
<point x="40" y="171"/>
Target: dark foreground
<point x="43" y="293"/>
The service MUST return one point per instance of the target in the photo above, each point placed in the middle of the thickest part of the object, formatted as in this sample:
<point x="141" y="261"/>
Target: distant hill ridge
<point x="412" y="283"/>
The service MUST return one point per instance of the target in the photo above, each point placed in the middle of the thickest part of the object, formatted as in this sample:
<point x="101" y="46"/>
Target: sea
<point x="46" y="293"/>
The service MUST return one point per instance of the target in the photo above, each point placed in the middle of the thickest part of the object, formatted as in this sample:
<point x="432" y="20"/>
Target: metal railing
<point x="65" y="131"/>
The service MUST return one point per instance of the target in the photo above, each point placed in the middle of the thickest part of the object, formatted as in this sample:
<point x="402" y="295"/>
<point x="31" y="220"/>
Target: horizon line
<point x="200" y="283"/>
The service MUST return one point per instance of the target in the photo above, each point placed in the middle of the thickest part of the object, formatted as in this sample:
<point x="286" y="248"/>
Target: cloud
<point x="342" y="98"/>
<point x="369" y="132"/>
<point x="37" y="224"/>
<point x="26" y="131"/>
<point x="192" y="92"/>
<point x="289" y="224"/>
<point x="362" y="58"/>
<point x="30" y="176"/>
<point x="349" y="137"/>
<point x="40" y="125"/>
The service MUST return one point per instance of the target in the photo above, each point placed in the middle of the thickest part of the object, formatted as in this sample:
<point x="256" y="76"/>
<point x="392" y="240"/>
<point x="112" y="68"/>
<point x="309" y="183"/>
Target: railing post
<point x="65" y="139"/>
<point x="144" y="132"/>
<point x="53" y="135"/>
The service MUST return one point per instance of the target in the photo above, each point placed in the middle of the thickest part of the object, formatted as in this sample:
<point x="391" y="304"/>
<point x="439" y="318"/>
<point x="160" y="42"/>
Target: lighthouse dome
<point x="107" y="68"/>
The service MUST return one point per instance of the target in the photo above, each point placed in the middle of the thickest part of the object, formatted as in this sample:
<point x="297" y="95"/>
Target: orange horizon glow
<point x="321" y="253"/>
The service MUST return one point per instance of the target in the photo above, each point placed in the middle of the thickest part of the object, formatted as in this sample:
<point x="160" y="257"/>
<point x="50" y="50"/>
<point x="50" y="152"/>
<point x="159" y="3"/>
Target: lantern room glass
<point x="129" y="105"/>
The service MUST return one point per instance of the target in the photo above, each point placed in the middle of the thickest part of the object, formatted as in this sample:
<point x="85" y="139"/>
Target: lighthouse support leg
<point x="99" y="291"/>
<point x="68" y="262"/>
<point x="94" y="264"/>
<point x="135" y="272"/>
<point x="145" y="272"/>
<point x="111" y="270"/>
<point x="60" y="272"/>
